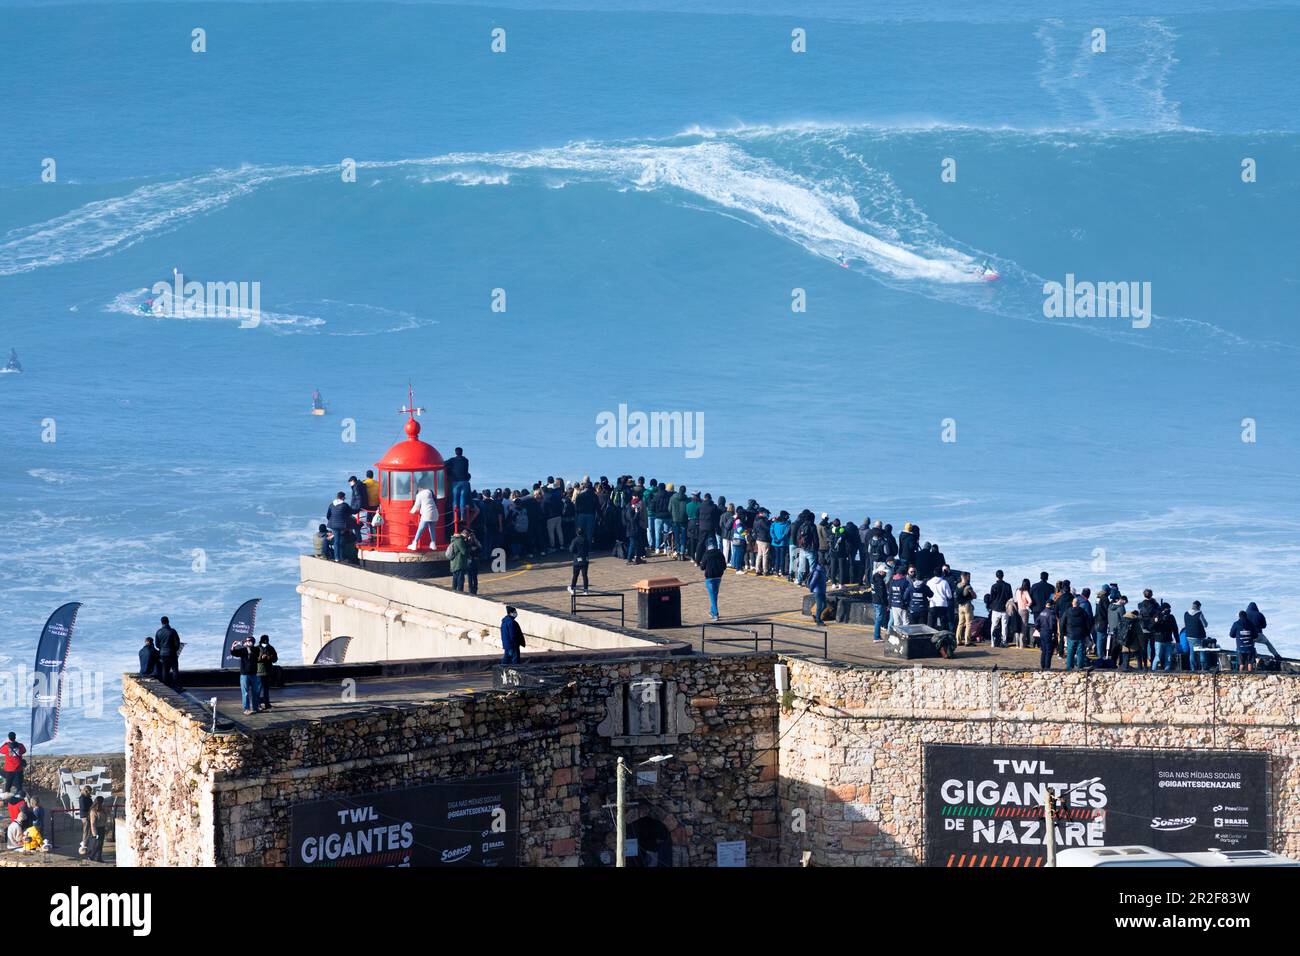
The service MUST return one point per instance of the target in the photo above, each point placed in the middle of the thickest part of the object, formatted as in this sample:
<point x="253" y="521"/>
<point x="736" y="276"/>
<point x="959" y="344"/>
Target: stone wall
<point x="200" y="799"/>
<point x="852" y="740"/>
<point x="721" y="783"/>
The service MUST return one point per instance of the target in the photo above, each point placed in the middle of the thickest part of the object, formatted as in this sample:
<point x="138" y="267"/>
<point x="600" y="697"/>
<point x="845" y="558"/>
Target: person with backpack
<point x="266" y="659"/>
<point x="581" y="549"/>
<point x="512" y="637"/>
<point x="168" y="642"/>
<point x="713" y="565"/>
<point x="806" y="543"/>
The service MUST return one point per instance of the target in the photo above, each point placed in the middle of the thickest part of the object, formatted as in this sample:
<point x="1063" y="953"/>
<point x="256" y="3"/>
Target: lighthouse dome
<point x="411" y="454"/>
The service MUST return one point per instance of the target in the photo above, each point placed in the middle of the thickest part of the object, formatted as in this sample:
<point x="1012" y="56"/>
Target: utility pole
<point x="1049" y="812"/>
<point x="619" y="772"/>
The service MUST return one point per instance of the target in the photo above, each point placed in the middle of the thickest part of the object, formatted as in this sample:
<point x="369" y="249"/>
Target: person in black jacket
<point x="1040" y="594"/>
<point x="1046" y="636"/>
<point x="907" y="543"/>
<point x="879" y="603"/>
<point x="634" y="527"/>
<point x="999" y="595"/>
<point x="250" y="690"/>
<point x="1077" y="625"/>
<point x="340" y="519"/>
<point x="581" y="549"/>
<point x="1195" y="624"/>
<point x="1148" y="611"/>
<point x="714" y="565"/>
<point x="358" y="500"/>
<point x="168" y="642"/>
<point x="149" y="659"/>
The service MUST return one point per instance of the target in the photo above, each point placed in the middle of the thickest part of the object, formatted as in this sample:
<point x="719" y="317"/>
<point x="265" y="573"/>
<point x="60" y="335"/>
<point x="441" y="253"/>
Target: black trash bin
<point x="658" y="603"/>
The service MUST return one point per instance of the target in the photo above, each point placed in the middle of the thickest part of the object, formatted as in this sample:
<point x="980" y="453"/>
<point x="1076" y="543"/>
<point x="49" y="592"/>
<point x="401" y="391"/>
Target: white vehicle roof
<point x="1148" y="856"/>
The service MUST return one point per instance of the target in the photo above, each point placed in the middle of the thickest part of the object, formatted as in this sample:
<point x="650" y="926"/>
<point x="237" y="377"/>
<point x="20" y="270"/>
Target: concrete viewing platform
<point x="741" y="597"/>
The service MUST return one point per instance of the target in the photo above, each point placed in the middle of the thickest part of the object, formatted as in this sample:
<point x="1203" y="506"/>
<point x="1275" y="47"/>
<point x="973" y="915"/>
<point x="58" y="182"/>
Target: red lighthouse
<point x="404" y="470"/>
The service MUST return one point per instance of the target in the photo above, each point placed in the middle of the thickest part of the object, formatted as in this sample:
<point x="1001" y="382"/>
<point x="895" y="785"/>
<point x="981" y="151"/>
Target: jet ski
<point x="14" y="366"/>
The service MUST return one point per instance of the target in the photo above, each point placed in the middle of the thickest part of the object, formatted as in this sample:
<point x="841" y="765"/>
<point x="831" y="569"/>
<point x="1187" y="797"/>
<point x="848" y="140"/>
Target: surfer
<point x="843" y="260"/>
<point x="14" y="365"/>
<point x="317" y="403"/>
<point x="987" y="272"/>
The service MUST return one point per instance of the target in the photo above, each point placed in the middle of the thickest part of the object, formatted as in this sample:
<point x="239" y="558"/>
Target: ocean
<point x="679" y="213"/>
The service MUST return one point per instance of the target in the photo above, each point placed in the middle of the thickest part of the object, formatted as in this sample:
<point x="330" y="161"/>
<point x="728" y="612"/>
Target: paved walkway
<point x="744" y="596"/>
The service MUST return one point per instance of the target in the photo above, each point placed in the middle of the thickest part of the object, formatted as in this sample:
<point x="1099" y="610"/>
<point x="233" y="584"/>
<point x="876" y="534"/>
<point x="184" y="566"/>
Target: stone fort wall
<point x="852" y="739"/>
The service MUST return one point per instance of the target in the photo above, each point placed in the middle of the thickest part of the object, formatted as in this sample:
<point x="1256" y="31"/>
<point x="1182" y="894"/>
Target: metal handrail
<point x="576" y="608"/>
<point x="754" y="636"/>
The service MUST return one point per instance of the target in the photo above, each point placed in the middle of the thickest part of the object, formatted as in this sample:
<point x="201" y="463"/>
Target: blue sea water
<point x="648" y="182"/>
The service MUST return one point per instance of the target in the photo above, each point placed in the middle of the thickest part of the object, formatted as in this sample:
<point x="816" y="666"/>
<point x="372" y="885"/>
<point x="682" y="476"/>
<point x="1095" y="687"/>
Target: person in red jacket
<point x="14" y="754"/>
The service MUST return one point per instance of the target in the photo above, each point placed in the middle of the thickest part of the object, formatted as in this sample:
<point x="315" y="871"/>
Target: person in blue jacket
<point x="817" y="585"/>
<point x="512" y="637"/>
<point x="1244" y="633"/>
<point x="780" y="531"/>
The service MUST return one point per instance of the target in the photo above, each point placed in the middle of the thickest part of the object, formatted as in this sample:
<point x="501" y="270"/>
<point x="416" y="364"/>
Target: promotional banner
<point x="984" y="805"/>
<point x="472" y="822"/>
<point x="47" y="681"/>
<point x="241" y="625"/>
<point x="333" y="652"/>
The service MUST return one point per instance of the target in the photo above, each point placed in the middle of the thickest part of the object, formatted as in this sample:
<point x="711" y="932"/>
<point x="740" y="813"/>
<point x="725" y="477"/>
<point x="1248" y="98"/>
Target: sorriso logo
<point x="76" y="909"/>
<point x="456" y="855"/>
<point x="1170" y="824"/>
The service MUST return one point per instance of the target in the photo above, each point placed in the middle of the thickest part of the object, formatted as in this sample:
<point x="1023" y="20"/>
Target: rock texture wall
<point x="852" y="740"/>
<point x="197" y="799"/>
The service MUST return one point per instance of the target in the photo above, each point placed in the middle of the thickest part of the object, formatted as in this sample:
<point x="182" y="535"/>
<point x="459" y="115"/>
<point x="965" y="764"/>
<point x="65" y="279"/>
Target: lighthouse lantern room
<point x="404" y="469"/>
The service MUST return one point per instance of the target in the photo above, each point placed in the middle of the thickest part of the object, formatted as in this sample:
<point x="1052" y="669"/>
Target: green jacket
<point x="677" y="507"/>
<point x="459" y="551"/>
<point x="266" y="658"/>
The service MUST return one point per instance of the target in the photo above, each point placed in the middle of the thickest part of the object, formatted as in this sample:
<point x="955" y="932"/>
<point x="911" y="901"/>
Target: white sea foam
<point x="858" y="214"/>
<point x="129" y="302"/>
<point x="111" y="225"/>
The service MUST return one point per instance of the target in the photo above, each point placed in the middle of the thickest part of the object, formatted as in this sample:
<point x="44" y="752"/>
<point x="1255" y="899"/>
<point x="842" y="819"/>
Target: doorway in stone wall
<point x="654" y="843"/>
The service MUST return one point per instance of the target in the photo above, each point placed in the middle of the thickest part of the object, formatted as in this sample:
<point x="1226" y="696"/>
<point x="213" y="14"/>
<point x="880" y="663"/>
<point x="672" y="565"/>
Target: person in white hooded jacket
<point x="428" y="510"/>
<point x="941" y="603"/>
